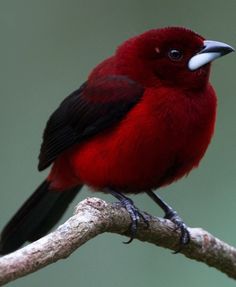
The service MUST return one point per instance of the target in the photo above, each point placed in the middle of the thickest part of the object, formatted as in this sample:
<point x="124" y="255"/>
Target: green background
<point x="47" y="49"/>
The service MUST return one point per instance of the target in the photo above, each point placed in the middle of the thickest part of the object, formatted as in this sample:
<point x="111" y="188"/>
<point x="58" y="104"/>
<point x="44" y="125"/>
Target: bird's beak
<point x="210" y="51"/>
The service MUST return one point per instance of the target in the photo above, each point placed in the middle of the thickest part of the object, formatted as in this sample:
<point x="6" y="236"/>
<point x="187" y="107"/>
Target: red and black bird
<point x="142" y="120"/>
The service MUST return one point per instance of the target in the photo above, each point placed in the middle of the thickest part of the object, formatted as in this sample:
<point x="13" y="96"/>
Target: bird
<point x="142" y="120"/>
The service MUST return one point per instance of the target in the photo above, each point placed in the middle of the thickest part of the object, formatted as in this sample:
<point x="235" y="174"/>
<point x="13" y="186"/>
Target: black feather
<point x="36" y="217"/>
<point x="95" y="107"/>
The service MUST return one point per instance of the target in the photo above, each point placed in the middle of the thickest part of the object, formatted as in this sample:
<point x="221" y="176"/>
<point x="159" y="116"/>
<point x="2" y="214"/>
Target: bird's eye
<point x="175" y="55"/>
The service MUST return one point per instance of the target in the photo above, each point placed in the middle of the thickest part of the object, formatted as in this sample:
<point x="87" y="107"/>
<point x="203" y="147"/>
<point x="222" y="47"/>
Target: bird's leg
<point x="133" y="211"/>
<point x="173" y="216"/>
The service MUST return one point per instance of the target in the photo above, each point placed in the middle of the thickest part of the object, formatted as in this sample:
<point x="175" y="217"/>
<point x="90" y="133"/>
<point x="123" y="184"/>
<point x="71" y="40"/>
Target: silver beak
<point x="211" y="51"/>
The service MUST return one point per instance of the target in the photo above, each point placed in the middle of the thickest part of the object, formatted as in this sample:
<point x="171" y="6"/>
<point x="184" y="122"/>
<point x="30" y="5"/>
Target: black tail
<point x="36" y="217"/>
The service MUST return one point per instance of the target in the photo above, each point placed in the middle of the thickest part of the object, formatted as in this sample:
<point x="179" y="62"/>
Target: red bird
<point x="143" y="119"/>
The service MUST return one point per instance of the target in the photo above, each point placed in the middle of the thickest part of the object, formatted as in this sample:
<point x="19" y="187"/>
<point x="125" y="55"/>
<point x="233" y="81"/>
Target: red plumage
<point x="144" y="119"/>
<point x="163" y="137"/>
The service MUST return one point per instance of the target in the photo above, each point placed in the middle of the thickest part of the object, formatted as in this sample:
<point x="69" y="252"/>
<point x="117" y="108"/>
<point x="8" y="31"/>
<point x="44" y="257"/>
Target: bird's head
<point x="174" y="56"/>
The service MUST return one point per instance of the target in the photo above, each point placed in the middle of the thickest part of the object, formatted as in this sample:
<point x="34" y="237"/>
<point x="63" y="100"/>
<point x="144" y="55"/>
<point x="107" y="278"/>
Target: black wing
<point x="94" y="107"/>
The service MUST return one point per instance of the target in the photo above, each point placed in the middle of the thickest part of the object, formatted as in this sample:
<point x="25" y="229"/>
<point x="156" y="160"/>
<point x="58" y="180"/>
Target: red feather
<point x="142" y="120"/>
<point x="164" y="136"/>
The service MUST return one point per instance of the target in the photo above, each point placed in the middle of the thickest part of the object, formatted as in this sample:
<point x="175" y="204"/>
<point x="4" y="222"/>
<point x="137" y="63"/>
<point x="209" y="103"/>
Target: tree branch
<point x="94" y="216"/>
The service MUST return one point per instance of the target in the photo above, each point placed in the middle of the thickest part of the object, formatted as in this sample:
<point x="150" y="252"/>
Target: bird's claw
<point x="135" y="216"/>
<point x="180" y="225"/>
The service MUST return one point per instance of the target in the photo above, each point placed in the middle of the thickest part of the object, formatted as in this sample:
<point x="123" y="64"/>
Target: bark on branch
<point x="94" y="216"/>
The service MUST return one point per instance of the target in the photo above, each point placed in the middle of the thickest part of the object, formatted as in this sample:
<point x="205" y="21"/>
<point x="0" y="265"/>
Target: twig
<point x="94" y="216"/>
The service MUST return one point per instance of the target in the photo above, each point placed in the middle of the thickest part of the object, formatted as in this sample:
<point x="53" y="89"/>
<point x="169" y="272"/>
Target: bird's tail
<point x="36" y="217"/>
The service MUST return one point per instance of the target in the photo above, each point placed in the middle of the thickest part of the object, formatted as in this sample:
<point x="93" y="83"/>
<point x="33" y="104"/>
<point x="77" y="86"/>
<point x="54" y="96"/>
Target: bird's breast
<point x="162" y="138"/>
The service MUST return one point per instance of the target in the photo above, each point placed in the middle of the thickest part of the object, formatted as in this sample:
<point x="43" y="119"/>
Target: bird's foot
<point x="173" y="216"/>
<point x="135" y="214"/>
